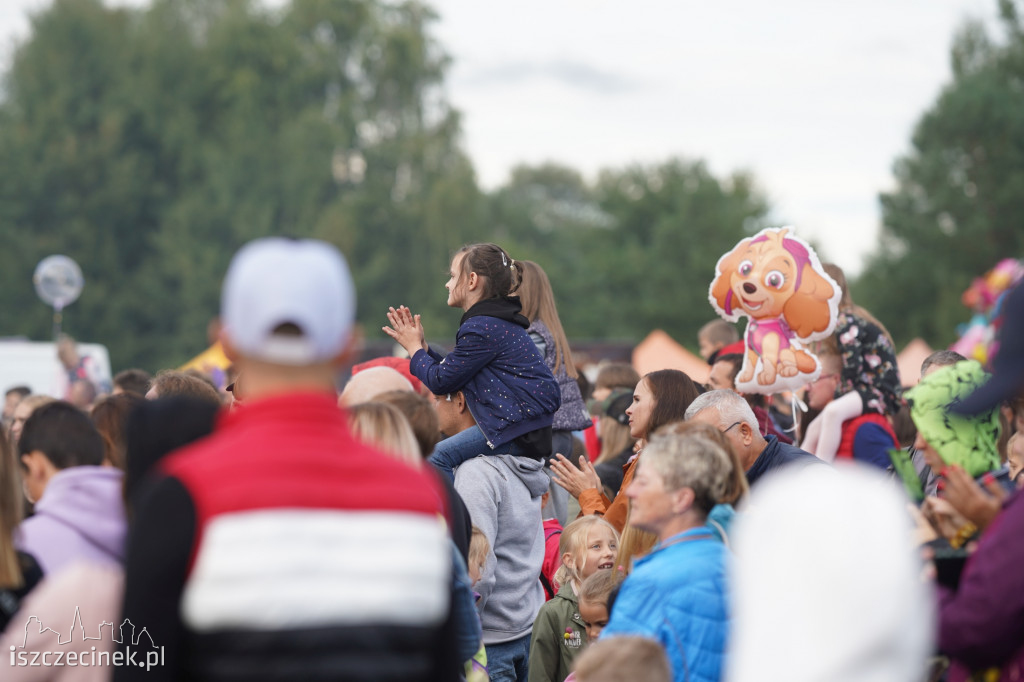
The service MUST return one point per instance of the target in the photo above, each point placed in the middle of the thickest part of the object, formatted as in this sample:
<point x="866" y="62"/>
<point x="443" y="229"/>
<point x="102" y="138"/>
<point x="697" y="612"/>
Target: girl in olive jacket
<point x="587" y="545"/>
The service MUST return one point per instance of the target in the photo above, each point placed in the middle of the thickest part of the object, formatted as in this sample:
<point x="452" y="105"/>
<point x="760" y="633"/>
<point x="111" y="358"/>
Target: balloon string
<point x="795" y="404"/>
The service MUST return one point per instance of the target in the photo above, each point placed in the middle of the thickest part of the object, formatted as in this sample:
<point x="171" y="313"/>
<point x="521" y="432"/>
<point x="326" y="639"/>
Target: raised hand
<point x="406" y="329"/>
<point x="574" y="480"/>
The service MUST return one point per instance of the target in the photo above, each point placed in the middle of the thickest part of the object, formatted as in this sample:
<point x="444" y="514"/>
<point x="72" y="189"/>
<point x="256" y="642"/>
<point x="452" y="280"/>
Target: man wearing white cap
<point x="280" y="548"/>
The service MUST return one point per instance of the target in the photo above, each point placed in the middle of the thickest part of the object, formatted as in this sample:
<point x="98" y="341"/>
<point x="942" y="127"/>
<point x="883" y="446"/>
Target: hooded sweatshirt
<point x="79" y="516"/>
<point x="502" y="494"/>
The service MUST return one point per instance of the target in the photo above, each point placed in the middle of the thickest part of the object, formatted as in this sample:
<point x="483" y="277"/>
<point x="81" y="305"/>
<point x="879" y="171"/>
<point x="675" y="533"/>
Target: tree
<point x="149" y="144"/>
<point x="959" y="202"/>
<point x="673" y="222"/>
<point x="634" y="252"/>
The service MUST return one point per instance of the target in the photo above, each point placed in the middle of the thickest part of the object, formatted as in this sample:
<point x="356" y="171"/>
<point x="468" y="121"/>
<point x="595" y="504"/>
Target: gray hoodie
<point x="502" y="494"/>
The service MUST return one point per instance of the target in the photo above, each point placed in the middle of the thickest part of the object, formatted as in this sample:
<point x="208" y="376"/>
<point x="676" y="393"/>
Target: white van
<point x="35" y="364"/>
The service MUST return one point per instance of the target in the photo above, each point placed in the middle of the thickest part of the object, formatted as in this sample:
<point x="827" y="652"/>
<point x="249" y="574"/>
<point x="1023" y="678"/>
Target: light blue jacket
<point x="677" y="596"/>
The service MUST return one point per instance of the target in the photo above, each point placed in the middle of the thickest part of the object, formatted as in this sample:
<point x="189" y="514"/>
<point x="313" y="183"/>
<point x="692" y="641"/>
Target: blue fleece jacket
<point x="508" y="388"/>
<point x="677" y="596"/>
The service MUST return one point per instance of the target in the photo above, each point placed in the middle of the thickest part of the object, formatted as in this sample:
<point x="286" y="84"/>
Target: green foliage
<point x="634" y="252"/>
<point x="149" y="144"/>
<point x="959" y="202"/>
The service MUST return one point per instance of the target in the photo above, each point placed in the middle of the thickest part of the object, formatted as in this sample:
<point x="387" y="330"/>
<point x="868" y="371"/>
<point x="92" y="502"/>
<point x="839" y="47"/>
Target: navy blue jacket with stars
<point x="508" y="388"/>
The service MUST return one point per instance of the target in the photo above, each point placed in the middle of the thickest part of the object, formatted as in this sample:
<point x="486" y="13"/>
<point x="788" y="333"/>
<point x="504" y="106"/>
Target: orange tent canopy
<point x="661" y="351"/>
<point x="909" y="361"/>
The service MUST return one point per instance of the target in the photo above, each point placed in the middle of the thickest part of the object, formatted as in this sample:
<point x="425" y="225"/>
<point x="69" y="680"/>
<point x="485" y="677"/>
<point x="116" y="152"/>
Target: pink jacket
<point x="69" y="605"/>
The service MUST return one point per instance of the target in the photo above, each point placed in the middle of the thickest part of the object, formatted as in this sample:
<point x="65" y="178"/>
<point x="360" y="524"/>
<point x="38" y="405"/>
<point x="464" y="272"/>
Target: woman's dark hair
<point x="158" y="427"/>
<point x="501" y="275"/>
<point x="673" y="391"/>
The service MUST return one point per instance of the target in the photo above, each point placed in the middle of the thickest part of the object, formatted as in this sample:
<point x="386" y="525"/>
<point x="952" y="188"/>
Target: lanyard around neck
<point x="683" y="537"/>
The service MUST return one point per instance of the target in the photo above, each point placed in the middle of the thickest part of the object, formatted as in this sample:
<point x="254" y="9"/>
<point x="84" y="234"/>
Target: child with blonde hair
<point x="588" y="545"/>
<point x="479" y="548"/>
<point x="475" y="669"/>
<point x="383" y="426"/>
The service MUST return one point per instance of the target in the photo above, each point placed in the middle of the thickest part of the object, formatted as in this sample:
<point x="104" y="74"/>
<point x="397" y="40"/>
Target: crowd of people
<point x="490" y="513"/>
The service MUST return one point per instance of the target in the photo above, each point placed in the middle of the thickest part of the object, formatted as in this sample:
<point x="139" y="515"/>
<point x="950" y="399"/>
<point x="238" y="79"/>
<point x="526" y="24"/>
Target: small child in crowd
<point x="714" y="336"/>
<point x="479" y="548"/>
<point x="509" y="390"/>
<point x="595" y="601"/>
<point x="869" y="382"/>
<point x="1015" y="458"/>
<point x="588" y="546"/>
<point x="552" y="556"/>
<point x="636" y="659"/>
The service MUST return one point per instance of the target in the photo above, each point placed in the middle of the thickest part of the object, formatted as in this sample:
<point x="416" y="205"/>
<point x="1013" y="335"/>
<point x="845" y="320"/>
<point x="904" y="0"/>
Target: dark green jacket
<point x="551" y="652"/>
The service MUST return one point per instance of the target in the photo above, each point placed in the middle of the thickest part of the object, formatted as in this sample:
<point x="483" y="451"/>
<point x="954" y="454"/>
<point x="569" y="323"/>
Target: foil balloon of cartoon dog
<point x="776" y="280"/>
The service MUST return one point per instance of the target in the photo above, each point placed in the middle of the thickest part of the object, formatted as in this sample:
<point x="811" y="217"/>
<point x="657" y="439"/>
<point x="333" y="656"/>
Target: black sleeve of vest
<point x="446" y="666"/>
<point x="461" y="526"/>
<point x="159" y="545"/>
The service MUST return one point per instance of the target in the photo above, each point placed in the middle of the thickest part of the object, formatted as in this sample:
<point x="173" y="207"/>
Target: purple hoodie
<point x="79" y="516"/>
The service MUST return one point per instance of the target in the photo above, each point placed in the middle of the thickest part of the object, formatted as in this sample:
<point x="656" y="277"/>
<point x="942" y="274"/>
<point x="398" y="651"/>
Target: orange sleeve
<point x="613" y="511"/>
<point x="593" y="501"/>
<point x="618" y="510"/>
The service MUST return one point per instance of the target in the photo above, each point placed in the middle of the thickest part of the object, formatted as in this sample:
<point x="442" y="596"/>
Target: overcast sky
<point x="817" y="98"/>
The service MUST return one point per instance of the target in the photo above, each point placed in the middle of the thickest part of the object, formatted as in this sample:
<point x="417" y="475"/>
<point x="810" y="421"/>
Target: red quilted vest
<point x="850" y="432"/>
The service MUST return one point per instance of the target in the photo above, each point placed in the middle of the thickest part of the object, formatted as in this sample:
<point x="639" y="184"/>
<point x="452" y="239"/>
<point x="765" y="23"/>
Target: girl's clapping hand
<point x="406" y="329"/>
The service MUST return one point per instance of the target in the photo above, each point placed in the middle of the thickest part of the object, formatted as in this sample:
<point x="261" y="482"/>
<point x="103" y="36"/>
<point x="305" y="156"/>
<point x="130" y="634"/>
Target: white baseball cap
<point x="275" y="281"/>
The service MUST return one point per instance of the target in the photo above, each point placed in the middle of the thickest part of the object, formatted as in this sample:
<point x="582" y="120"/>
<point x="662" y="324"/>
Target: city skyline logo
<point x="128" y="646"/>
<point x="116" y="636"/>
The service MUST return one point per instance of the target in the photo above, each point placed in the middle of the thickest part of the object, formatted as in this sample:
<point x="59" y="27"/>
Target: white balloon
<point x="58" y="281"/>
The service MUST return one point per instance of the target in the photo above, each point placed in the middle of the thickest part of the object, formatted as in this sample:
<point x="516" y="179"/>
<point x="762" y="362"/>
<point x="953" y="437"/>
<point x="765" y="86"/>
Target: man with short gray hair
<point x="730" y="413"/>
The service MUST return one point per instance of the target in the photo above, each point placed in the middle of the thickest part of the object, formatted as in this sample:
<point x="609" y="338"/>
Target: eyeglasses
<point x="731" y="426"/>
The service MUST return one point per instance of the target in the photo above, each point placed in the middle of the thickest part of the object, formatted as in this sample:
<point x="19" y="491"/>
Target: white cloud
<point x="818" y="98"/>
